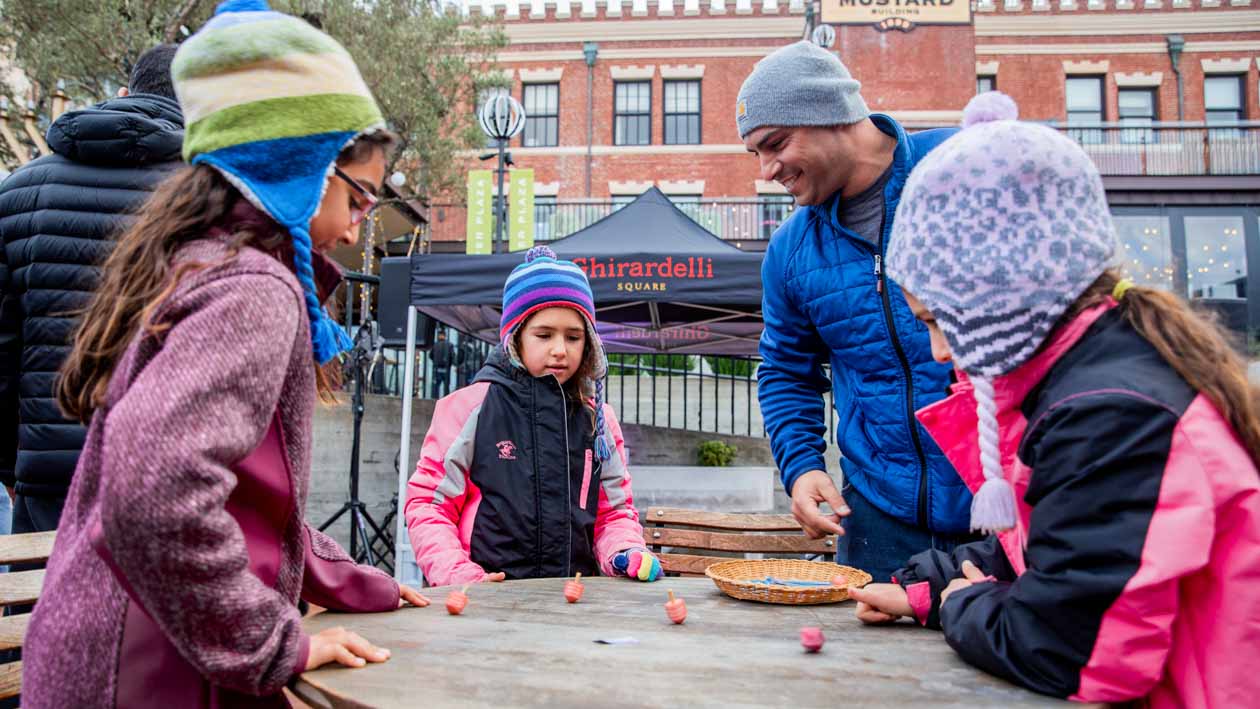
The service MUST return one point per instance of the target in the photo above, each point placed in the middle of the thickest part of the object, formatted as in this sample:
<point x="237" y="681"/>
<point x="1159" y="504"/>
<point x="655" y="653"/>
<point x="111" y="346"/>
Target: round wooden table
<point x="520" y="644"/>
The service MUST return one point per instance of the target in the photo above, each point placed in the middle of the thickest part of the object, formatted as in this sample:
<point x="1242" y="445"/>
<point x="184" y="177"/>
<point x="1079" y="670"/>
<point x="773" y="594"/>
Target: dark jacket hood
<point x="132" y="131"/>
<point x="500" y="369"/>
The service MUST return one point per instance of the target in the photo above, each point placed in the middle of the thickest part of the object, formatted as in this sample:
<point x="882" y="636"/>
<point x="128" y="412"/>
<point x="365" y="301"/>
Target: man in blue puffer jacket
<point x="827" y="301"/>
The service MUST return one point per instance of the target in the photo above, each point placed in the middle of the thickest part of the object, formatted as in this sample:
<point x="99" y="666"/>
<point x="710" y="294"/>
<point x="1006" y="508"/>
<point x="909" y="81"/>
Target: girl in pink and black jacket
<point x="523" y="473"/>
<point x="1109" y="434"/>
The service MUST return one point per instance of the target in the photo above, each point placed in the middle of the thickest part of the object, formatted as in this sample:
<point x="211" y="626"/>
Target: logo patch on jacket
<point x="507" y="450"/>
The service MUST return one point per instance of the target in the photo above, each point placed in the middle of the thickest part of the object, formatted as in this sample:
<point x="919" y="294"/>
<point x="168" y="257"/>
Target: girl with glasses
<point x="182" y="551"/>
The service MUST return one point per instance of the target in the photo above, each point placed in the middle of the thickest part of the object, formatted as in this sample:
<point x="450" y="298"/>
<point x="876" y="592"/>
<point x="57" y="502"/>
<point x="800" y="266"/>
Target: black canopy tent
<point x="662" y="283"/>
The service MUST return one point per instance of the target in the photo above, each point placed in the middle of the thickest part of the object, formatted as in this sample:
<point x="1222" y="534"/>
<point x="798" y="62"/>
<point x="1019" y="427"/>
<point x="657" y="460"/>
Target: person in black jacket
<point x="58" y="215"/>
<point x="468" y="362"/>
<point x="443" y="357"/>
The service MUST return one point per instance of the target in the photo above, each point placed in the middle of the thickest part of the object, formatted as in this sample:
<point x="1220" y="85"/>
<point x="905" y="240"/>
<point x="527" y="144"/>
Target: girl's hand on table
<point x="343" y="647"/>
<point x="880" y="603"/>
<point x="407" y="594"/>
<point x="971" y="574"/>
<point x="638" y="564"/>
<point x="495" y="577"/>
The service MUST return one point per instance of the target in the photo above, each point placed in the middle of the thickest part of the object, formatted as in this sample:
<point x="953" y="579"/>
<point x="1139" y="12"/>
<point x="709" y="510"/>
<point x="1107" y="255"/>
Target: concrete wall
<point x="378" y="481"/>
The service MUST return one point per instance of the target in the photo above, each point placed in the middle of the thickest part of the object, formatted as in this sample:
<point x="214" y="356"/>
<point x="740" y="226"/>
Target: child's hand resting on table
<point x="407" y="594"/>
<point x="881" y="602"/>
<point x="343" y="647"/>
<point x="638" y="564"/>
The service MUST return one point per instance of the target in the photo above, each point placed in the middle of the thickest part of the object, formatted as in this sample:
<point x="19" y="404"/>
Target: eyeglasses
<point x="357" y="213"/>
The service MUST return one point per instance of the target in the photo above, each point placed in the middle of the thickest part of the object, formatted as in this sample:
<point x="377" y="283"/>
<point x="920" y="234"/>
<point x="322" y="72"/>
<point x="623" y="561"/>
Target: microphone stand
<point x="364" y="355"/>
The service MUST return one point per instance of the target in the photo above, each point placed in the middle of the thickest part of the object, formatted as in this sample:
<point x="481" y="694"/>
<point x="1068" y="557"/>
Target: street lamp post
<point x="502" y="118"/>
<point x="824" y="36"/>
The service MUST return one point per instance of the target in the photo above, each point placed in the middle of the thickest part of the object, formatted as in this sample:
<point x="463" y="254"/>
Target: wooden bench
<point x="739" y="533"/>
<point x="19" y="588"/>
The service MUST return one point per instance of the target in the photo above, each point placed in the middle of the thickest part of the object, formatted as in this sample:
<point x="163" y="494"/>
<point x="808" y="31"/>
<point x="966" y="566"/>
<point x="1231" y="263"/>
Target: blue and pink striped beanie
<point x="545" y="281"/>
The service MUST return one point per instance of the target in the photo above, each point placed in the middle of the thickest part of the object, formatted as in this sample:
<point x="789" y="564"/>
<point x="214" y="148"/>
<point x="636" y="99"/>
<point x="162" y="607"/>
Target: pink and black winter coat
<point x="1134" y="568"/>
<point x="508" y="481"/>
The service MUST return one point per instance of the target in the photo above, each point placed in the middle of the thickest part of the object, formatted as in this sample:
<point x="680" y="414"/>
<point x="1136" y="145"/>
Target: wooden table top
<point x="520" y="644"/>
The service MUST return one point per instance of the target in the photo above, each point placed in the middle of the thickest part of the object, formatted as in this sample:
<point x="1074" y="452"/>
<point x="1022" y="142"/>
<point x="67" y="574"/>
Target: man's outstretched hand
<point x="810" y="489"/>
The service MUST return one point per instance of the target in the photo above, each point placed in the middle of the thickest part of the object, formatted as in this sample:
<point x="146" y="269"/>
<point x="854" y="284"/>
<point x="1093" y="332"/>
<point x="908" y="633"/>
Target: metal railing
<point x="735" y="220"/>
<point x="713" y="394"/>
<point x="1170" y="148"/>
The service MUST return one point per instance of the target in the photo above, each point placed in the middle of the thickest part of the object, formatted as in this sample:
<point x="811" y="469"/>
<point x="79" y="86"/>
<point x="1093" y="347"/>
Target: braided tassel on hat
<point x="327" y="338"/>
<point x="993" y="506"/>
<point x="601" y="443"/>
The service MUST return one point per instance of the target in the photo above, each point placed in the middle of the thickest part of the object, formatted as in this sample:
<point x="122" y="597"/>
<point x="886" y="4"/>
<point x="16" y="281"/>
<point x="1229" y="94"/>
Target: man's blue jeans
<point x="879" y="543"/>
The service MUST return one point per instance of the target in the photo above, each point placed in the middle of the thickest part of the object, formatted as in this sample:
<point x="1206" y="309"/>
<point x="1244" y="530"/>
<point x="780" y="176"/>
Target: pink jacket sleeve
<point x="617" y="525"/>
<point x="440" y="497"/>
<point x="333" y="580"/>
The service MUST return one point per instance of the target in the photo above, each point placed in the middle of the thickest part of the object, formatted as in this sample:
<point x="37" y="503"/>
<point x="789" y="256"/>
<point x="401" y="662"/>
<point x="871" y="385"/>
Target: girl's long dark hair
<point x="1194" y="344"/>
<point x="140" y="274"/>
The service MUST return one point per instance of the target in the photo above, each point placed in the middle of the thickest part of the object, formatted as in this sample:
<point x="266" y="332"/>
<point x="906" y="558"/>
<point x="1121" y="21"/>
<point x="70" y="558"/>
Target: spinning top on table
<point x="456" y="601"/>
<point x="812" y="639"/>
<point x="573" y="589"/>
<point x="676" y="609"/>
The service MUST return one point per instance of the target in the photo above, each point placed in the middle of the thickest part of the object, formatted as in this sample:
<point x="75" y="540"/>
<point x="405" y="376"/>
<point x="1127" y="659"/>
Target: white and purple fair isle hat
<point x="1000" y="229"/>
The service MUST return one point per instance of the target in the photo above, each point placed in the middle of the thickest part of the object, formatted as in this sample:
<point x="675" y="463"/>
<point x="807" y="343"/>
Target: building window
<point x="632" y="113"/>
<point x="1223" y="104"/>
<point x="1137" y="113"/>
<point x="1147" y="249"/>
<point x="986" y="83"/>
<point x="682" y="112"/>
<point x="542" y="115"/>
<point x="1085" y="105"/>
<point x="1223" y="98"/>
<point x="482" y="97"/>
<point x="773" y="210"/>
<point x="544" y="217"/>
<point x="1216" y="258"/>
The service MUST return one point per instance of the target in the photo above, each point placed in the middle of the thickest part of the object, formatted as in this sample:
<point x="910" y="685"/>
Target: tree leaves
<point x="425" y="66"/>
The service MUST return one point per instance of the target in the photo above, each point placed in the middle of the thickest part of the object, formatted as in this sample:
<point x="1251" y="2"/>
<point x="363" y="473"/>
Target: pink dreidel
<point x="573" y="589"/>
<point x="676" y="609"/>
<point x="812" y="639"/>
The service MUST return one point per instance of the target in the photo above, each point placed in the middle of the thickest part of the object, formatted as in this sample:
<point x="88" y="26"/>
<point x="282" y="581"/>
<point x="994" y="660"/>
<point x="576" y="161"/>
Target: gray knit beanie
<point x="801" y="84"/>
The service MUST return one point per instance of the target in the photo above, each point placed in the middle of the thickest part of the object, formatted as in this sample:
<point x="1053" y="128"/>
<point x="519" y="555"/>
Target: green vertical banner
<point x="521" y="211"/>
<point x="480" y="225"/>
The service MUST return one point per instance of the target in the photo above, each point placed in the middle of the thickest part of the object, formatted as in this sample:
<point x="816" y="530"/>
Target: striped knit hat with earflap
<point x="269" y="101"/>
<point x="545" y="281"/>
<point x="1000" y="229"/>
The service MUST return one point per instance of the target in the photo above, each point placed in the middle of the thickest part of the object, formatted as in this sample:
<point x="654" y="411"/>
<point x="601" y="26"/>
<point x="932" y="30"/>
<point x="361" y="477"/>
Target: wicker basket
<point x="744" y="578"/>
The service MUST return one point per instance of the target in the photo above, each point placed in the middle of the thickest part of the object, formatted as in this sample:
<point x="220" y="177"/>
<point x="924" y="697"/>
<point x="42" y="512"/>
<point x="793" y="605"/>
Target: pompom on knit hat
<point x="801" y="84"/>
<point x="545" y="281"/>
<point x="269" y="101"/>
<point x="999" y="230"/>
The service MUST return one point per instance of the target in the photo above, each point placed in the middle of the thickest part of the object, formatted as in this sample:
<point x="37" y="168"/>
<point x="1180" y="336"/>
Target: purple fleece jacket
<point x="182" y="550"/>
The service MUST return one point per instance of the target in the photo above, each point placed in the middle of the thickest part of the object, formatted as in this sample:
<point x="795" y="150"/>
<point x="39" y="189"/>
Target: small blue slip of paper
<point x="772" y="581"/>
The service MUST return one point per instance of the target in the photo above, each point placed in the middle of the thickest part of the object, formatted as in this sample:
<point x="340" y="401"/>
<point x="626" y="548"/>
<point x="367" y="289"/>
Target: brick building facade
<point x="1176" y="142"/>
